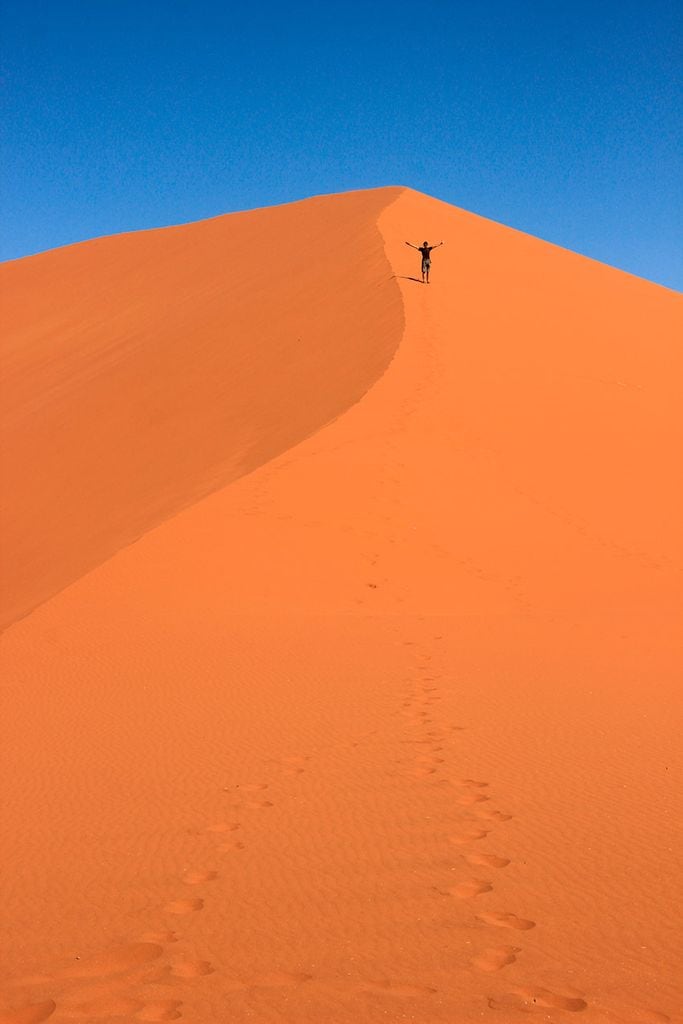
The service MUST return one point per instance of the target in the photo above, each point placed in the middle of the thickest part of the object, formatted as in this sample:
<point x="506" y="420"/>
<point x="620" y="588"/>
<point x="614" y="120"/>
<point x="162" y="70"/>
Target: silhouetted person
<point x="426" y="251"/>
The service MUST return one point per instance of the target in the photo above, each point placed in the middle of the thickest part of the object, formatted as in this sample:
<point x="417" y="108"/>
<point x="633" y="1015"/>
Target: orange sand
<point x="377" y="719"/>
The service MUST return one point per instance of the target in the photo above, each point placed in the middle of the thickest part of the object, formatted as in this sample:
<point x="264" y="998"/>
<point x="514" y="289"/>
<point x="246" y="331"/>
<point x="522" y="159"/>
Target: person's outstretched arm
<point x="437" y="246"/>
<point x="412" y="246"/>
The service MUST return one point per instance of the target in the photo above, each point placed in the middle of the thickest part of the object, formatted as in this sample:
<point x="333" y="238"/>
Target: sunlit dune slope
<point x="142" y="371"/>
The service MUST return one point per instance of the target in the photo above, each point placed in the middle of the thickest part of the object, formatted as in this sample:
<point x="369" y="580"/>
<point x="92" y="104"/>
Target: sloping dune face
<point x="143" y="371"/>
<point x="388" y="728"/>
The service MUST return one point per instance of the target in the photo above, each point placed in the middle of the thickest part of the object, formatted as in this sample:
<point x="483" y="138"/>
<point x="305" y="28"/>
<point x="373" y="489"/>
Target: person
<point x="426" y="251"/>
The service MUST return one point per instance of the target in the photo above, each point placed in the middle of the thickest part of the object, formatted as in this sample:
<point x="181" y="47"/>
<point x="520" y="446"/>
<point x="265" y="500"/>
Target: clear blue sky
<point x="563" y="120"/>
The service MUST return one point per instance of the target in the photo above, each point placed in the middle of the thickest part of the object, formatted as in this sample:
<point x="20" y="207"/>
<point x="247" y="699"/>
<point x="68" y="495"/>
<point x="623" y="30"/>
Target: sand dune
<point x="143" y="371"/>
<point x="385" y="726"/>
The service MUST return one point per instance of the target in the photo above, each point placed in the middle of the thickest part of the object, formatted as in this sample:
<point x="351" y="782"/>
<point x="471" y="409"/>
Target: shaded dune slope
<point x="386" y="728"/>
<point x="518" y="454"/>
<point x="143" y="371"/>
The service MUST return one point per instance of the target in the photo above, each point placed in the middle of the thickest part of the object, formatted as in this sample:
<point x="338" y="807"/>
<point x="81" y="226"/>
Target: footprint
<point x="31" y="1014"/>
<point x="466" y="890"/>
<point x="472" y="783"/>
<point x="191" y="968"/>
<point x="489" y="815"/>
<point x="184" y="906"/>
<point x="467" y="799"/>
<point x="161" y="1009"/>
<point x="229" y="847"/>
<point x="487" y="860"/>
<point x="260" y="804"/>
<point x="543" y="997"/>
<point x="392" y="988"/>
<point x="197" y="877"/>
<point x="253" y="787"/>
<point x="495" y="958"/>
<point x="469" y="837"/>
<point x="500" y="920"/>
<point x="224" y="826"/>
<point x="114" y="961"/>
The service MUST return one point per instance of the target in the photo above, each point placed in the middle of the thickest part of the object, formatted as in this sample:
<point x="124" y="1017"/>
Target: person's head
<point x="425" y="243"/>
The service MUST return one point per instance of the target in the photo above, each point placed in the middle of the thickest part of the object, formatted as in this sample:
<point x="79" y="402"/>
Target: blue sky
<point x="563" y="121"/>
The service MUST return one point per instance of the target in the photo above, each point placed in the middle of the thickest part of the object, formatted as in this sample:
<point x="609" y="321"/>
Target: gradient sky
<point x="565" y="121"/>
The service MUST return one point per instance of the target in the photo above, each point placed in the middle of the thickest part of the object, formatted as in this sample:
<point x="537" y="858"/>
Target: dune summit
<point x="342" y="616"/>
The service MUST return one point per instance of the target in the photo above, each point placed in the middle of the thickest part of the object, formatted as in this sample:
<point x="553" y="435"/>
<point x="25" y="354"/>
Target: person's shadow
<point x="404" y="278"/>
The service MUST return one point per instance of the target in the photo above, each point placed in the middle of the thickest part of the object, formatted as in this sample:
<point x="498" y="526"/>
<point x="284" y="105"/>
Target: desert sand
<point x="342" y="626"/>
